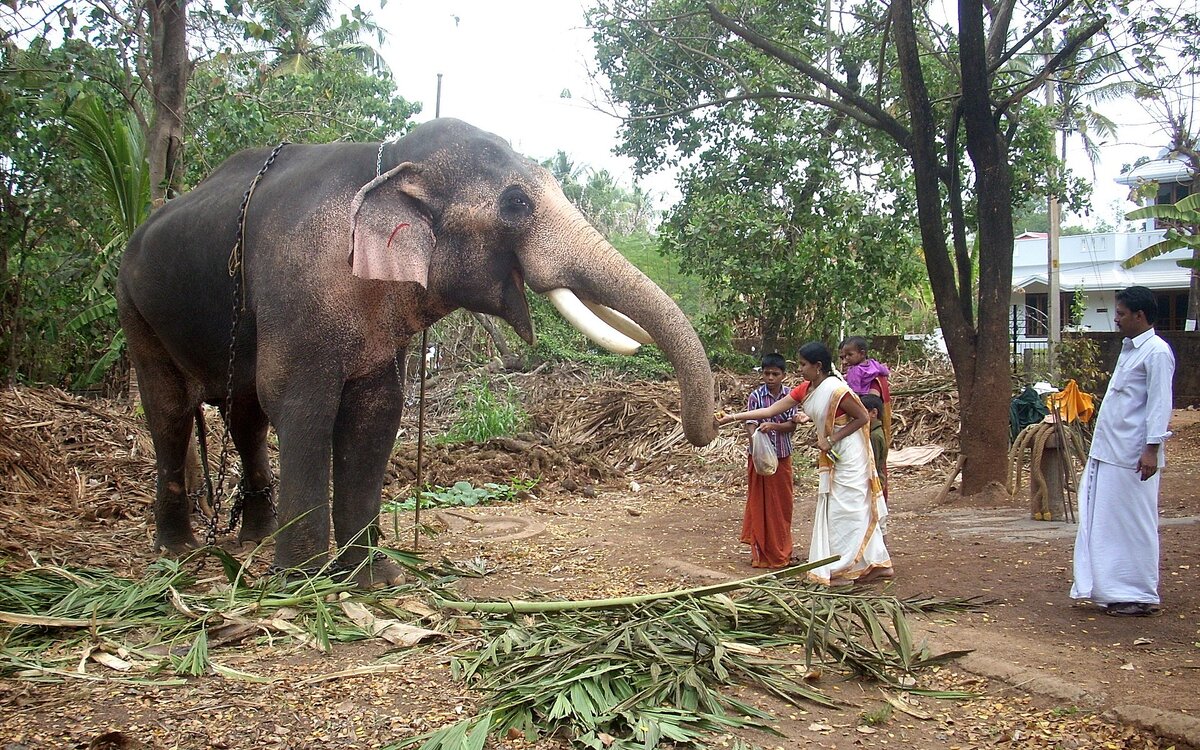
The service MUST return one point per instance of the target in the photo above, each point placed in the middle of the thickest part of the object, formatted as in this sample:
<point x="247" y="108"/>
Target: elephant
<point x="343" y="252"/>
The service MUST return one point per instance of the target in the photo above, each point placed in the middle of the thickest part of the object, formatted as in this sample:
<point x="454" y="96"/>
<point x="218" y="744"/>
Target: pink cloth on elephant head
<point x="860" y="376"/>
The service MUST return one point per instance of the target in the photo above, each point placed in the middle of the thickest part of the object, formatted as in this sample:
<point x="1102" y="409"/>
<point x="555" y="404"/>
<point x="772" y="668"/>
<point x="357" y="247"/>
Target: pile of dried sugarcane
<point x="924" y="406"/>
<point x="68" y="465"/>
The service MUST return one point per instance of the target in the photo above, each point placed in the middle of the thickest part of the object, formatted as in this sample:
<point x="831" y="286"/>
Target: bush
<point x="1079" y="360"/>
<point x="483" y="415"/>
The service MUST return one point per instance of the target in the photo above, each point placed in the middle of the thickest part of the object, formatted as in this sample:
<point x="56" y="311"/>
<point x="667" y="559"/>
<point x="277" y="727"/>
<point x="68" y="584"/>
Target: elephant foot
<point x="242" y="548"/>
<point x="255" y="530"/>
<point x="379" y="573"/>
<point x="177" y="546"/>
<point x="257" y="513"/>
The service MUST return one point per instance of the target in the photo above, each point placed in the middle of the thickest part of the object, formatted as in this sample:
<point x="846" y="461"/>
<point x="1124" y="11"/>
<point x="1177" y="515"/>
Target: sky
<point x="520" y="69"/>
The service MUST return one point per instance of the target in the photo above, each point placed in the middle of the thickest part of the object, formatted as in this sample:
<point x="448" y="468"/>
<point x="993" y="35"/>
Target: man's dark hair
<point x="858" y="342"/>
<point x="774" y="359"/>
<point x="871" y="401"/>
<point x="1139" y="299"/>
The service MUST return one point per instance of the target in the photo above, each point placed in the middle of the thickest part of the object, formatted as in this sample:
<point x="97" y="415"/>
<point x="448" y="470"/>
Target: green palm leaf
<point x="114" y="157"/>
<point x="1186" y="213"/>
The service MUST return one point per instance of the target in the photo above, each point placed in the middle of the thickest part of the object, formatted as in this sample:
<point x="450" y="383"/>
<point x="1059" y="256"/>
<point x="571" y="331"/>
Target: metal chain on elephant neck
<point x="379" y="154"/>
<point x="237" y="272"/>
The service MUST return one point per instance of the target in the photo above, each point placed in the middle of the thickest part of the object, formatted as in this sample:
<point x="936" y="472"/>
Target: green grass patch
<point x="484" y="414"/>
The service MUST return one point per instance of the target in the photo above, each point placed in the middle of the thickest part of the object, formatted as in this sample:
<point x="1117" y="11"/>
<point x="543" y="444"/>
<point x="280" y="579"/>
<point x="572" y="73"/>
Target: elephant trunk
<point x="588" y="265"/>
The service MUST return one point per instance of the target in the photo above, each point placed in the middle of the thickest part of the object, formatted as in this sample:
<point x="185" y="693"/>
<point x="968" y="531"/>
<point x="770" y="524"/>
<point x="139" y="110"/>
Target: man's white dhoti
<point x="1116" y="547"/>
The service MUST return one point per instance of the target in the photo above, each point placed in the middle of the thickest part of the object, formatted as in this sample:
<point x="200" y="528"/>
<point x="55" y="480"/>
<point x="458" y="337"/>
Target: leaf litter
<point x="203" y="632"/>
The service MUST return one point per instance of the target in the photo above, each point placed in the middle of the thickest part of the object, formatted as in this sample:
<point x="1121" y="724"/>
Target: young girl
<point x="850" y="509"/>
<point x="865" y="375"/>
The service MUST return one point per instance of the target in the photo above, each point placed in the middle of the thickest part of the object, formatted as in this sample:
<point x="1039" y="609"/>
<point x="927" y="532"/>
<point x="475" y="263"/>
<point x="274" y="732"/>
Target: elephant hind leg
<point x="248" y="428"/>
<point x="170" y="413"/>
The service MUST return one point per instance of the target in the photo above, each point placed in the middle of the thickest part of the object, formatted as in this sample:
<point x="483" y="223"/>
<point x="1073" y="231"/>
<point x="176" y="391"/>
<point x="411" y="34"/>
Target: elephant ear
<point x="391" y="236"/>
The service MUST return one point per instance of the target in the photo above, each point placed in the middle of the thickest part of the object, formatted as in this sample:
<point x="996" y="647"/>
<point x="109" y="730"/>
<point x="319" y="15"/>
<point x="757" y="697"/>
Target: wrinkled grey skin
<point x="316" y="345"/>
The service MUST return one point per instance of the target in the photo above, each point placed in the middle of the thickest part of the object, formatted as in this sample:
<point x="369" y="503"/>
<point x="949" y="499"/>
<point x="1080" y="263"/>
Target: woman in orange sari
<point x="850" y="512"/>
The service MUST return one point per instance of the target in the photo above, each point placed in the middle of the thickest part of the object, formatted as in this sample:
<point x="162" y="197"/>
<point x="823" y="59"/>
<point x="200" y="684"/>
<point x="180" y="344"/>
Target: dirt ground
<point x="1048" y="672"/>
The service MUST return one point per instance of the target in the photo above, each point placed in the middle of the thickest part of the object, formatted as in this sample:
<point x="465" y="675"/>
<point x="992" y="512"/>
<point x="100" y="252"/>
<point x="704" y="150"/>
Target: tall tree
<point x="1168" y="89"/>
<point x="942" y="96"/>
<point x="167" y="75"/>
<point x="301" y="36"/>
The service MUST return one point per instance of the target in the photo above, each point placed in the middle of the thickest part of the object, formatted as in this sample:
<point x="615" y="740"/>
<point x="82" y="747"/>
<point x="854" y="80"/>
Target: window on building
<point x="1170" y="193"/>
<point x="1037" y="313"/>
<point x="1172" y="309"/>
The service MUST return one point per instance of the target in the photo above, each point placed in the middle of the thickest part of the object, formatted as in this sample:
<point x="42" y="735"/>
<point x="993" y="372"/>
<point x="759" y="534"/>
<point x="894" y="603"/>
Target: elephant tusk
<point x="620" y="321"/>
<point x="589" y="324"/>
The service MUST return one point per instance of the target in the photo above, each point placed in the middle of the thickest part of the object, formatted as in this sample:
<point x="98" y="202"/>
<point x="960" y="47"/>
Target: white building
<point x="1092" y="263"/>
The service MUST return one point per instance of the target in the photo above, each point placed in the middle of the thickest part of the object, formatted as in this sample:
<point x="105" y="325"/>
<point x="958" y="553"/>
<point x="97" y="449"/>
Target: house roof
<point x="1165" y="169"/>
<point x="1113" y="277"/>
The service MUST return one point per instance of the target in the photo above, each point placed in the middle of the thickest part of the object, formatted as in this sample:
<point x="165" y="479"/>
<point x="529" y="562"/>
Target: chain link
<point x="237" y="272"/>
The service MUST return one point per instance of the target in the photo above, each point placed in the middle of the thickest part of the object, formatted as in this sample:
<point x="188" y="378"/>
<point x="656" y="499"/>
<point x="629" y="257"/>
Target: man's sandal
<point x="1129" y="609"/>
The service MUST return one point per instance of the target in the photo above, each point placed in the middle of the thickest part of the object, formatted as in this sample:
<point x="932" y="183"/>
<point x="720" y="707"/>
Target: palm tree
<point x="1082" y="84"/>
<point x="1182" y="233"/>
<point x="301" y="35"/>
<point x="114" y="156"/>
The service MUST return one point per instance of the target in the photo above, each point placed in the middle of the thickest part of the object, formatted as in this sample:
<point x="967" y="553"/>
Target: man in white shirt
<point x="1116" y="547"/>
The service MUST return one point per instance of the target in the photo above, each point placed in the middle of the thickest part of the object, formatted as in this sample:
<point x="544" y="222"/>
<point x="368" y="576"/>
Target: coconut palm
<point x="1183" y="232"/>
<point x="1082" y="84"/>
<point x="301" y="35"/>
<point x="112" y="148"/>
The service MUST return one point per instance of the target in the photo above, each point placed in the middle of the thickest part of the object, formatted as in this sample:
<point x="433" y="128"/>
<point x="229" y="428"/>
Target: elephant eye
<point x="515" y="205"/>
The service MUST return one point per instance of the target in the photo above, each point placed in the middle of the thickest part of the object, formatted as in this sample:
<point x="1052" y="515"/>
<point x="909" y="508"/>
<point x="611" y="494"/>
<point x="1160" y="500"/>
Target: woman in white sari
<point x="850" y="511"/>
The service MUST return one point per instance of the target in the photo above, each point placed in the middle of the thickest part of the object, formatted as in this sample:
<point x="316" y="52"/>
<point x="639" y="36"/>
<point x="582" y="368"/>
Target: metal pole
<point x="420" y="444"/>
<point x="437" y="112"/>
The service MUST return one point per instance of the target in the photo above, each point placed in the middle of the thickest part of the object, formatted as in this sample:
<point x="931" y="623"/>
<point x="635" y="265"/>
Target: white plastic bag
<point x="762" y="451"/>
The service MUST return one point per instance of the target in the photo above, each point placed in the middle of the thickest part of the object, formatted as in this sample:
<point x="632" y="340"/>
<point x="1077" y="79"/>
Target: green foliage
<point x="663" y="670"/>
<point x="1078" y="358"/>
<point x="65" y="207"/>
<point x="644" y="251"/>
<point x="114" y="160"/>
<point x="153" y="620"/>
<point x="610" y="207"/>
<point x="877" y="716"/>
<point x="794" y="220"/>
<point x="1183" y="230"/>
<point x="233" y="104"/>
<point x="483" y="414"/>
<point x="464" y="494"/>
<point x="559" y="341"/>
<point x="787" y="254"/>
<point x="113" y="153"/>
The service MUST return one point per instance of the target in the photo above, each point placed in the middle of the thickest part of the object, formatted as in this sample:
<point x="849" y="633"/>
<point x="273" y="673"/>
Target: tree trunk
<point x="979" y="354"/>
<point x="984" y="427"/>
<point x="168" y="40"/>
<point x="1194" y="294"/>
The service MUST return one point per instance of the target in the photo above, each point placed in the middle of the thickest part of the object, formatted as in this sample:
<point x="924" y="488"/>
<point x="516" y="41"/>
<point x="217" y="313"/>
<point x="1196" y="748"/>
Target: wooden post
<point x="1053" y="472"/>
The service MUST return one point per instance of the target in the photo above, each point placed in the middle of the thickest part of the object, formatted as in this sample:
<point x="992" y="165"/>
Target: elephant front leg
<point x="363" y="439"/>
<point x="304" y="432"/>
<point x="172" y="506"/>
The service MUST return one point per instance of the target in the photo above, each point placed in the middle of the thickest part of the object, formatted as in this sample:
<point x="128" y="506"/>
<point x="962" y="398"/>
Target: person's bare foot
<point x="877" y="574"/>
